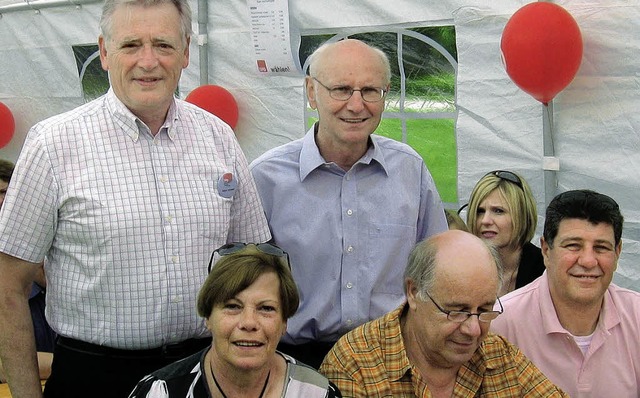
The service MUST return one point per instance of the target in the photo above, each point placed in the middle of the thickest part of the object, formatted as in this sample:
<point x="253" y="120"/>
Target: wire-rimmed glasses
<point x="343" y="93"/>
<point x="461" y="316"/>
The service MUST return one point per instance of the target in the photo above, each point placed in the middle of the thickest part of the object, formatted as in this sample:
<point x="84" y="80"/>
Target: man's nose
<point x="355" y="102"/>
<point x="471" y="326"/>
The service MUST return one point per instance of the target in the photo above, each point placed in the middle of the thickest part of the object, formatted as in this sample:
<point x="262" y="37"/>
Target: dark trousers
<point x="81" y="369"/>
<point x="312" y="353"/>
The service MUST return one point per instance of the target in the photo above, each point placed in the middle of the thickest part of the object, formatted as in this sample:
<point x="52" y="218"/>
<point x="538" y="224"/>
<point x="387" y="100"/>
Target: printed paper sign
<point x="270" y="37"/>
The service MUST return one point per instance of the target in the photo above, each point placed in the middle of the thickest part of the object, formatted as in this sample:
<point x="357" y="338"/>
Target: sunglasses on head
<point x="235" y="247"/>
<point x="503" y="175"/>
<point x="507" y="176"/>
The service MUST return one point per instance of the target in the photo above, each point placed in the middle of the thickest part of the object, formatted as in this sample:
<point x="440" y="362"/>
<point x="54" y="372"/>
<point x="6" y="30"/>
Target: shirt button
<point x="349" y="212"/>
<point x="349" y="285"/>
<point x="164" y="179"/>
<point x="168" y="218"/>
<point x="350" y="249"/>
<point x="174" y="259"/>
<point x="349" y="322"/>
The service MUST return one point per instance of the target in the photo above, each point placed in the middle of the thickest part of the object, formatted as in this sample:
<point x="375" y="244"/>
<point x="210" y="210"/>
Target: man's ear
<point x="412" y="292"/>
<point x="311" y="92"/>
<point x="618" y="251"/>
<point x="544" y="247"/>
<point x="102" y="46"/>
<point x="185" y="63"/>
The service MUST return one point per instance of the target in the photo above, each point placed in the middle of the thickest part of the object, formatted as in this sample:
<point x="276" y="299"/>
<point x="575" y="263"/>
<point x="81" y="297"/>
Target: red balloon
<point x="541" y="49"/>
<point x="7" y="125"/>
<point x="216" y="100"/>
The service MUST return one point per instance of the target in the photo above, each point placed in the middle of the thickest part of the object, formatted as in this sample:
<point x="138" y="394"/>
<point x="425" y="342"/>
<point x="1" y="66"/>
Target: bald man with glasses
<point x="437" y="343"/>
<point x="345" y="203"/>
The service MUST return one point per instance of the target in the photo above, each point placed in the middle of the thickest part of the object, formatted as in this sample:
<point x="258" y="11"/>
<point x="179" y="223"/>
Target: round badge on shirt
<point x="227" y="185"/>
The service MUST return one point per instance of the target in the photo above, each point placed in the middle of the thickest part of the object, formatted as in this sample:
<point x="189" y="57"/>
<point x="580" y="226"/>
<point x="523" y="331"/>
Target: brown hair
<point x="237" y="271"/>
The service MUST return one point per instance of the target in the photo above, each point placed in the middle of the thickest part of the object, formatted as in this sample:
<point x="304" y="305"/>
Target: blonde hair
<point x="520" y="202"/>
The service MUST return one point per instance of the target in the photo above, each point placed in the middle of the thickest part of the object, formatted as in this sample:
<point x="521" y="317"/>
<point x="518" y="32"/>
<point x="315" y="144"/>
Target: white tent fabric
<point x="595" y="127"/>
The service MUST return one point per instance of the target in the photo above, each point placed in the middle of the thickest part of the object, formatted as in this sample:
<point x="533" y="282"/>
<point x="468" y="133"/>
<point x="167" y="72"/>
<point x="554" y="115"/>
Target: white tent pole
<point x="551" y="163"/>
<point x="203" y="34"/>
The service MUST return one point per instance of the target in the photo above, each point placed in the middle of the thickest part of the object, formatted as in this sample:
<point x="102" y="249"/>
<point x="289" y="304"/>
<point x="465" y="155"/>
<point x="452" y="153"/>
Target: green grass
<point x="439" y="86"/>
<point x="434" y="140"/>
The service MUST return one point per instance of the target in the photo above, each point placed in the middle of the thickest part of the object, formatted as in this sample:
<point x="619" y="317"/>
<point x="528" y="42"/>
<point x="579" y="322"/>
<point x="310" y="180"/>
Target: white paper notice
<point x="270" y="37"/>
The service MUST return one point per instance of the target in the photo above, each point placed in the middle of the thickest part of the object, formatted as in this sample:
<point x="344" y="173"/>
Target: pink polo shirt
<point x="611" y="367"/>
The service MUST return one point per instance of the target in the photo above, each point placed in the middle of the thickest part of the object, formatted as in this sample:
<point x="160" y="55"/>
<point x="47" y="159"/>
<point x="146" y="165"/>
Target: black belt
<point x="177" y="350"/>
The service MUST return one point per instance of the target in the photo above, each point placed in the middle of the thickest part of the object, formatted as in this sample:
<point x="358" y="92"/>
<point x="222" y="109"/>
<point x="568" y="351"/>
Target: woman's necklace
<point x="264" y="388"/>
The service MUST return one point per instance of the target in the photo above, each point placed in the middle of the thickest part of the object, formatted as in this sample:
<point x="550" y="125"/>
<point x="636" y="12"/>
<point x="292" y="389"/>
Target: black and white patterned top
<point x="185" y="378"/>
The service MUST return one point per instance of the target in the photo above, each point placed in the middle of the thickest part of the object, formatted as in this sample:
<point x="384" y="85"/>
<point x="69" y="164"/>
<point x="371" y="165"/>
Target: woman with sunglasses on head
<point x="246" y="301"/>
<point x="502" y="211"/>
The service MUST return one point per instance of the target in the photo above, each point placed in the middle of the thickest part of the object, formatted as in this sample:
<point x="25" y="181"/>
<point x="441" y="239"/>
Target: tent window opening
<point x="94" y="79"/>
<point x="420" y="108"/>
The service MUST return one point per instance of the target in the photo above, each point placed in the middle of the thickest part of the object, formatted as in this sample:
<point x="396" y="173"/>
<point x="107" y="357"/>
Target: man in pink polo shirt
<point x="572" y="322"/>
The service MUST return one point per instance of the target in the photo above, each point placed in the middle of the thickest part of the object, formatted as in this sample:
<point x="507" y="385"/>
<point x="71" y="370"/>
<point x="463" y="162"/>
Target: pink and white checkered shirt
<point x="128" y="221"/>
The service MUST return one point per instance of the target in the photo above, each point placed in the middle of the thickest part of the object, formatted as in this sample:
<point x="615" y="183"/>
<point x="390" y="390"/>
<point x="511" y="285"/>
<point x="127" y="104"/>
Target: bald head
<point x="449" y="256"/>
<point x="348" y="49"/>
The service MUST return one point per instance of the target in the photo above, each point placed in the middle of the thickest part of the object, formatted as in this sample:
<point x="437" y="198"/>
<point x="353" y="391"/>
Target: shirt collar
<point x="131" y="125"/>
<point x="550" y="321"/>
<point x="311" y="159"/>
<point x="608" y="319"/>
<point x="393" y="344"/>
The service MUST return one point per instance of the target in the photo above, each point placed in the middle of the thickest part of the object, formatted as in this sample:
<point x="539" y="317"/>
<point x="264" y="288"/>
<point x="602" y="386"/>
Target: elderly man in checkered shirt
<point x="437" y="343"/>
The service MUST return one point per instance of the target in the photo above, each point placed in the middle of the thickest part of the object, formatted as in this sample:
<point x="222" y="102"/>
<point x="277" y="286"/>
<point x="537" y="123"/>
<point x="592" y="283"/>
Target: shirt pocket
<point x="212" y="211"/>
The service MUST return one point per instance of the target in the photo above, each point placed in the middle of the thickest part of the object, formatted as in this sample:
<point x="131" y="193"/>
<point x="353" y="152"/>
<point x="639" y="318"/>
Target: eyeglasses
<point x="235" y="247"/>
<point x="461" y="316"/>
<point x="343" y="93"/>
<point x="507" y="176"/>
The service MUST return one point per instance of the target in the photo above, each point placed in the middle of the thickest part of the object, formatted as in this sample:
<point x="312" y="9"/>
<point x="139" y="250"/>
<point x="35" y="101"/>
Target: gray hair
<point x="109" y="7"/>
<point x="317" y="55"/>
<point x="422" y="265"/>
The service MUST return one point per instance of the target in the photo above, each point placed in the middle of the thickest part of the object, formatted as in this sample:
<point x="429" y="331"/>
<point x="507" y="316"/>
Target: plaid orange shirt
<point x="370" y="361"/>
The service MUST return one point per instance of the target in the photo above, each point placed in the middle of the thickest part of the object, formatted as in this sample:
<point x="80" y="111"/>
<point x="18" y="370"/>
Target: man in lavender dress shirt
<point x="347" y="205"/>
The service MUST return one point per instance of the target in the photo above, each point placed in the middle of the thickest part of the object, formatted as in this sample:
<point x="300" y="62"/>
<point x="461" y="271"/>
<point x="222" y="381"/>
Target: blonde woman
<point x="502" y="211"/>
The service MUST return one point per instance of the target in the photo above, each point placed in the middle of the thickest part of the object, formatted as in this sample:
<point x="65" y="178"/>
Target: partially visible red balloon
<point x="7" y="125"/>
<point x="541" y="49"/>
<point x="216" y="100"/>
